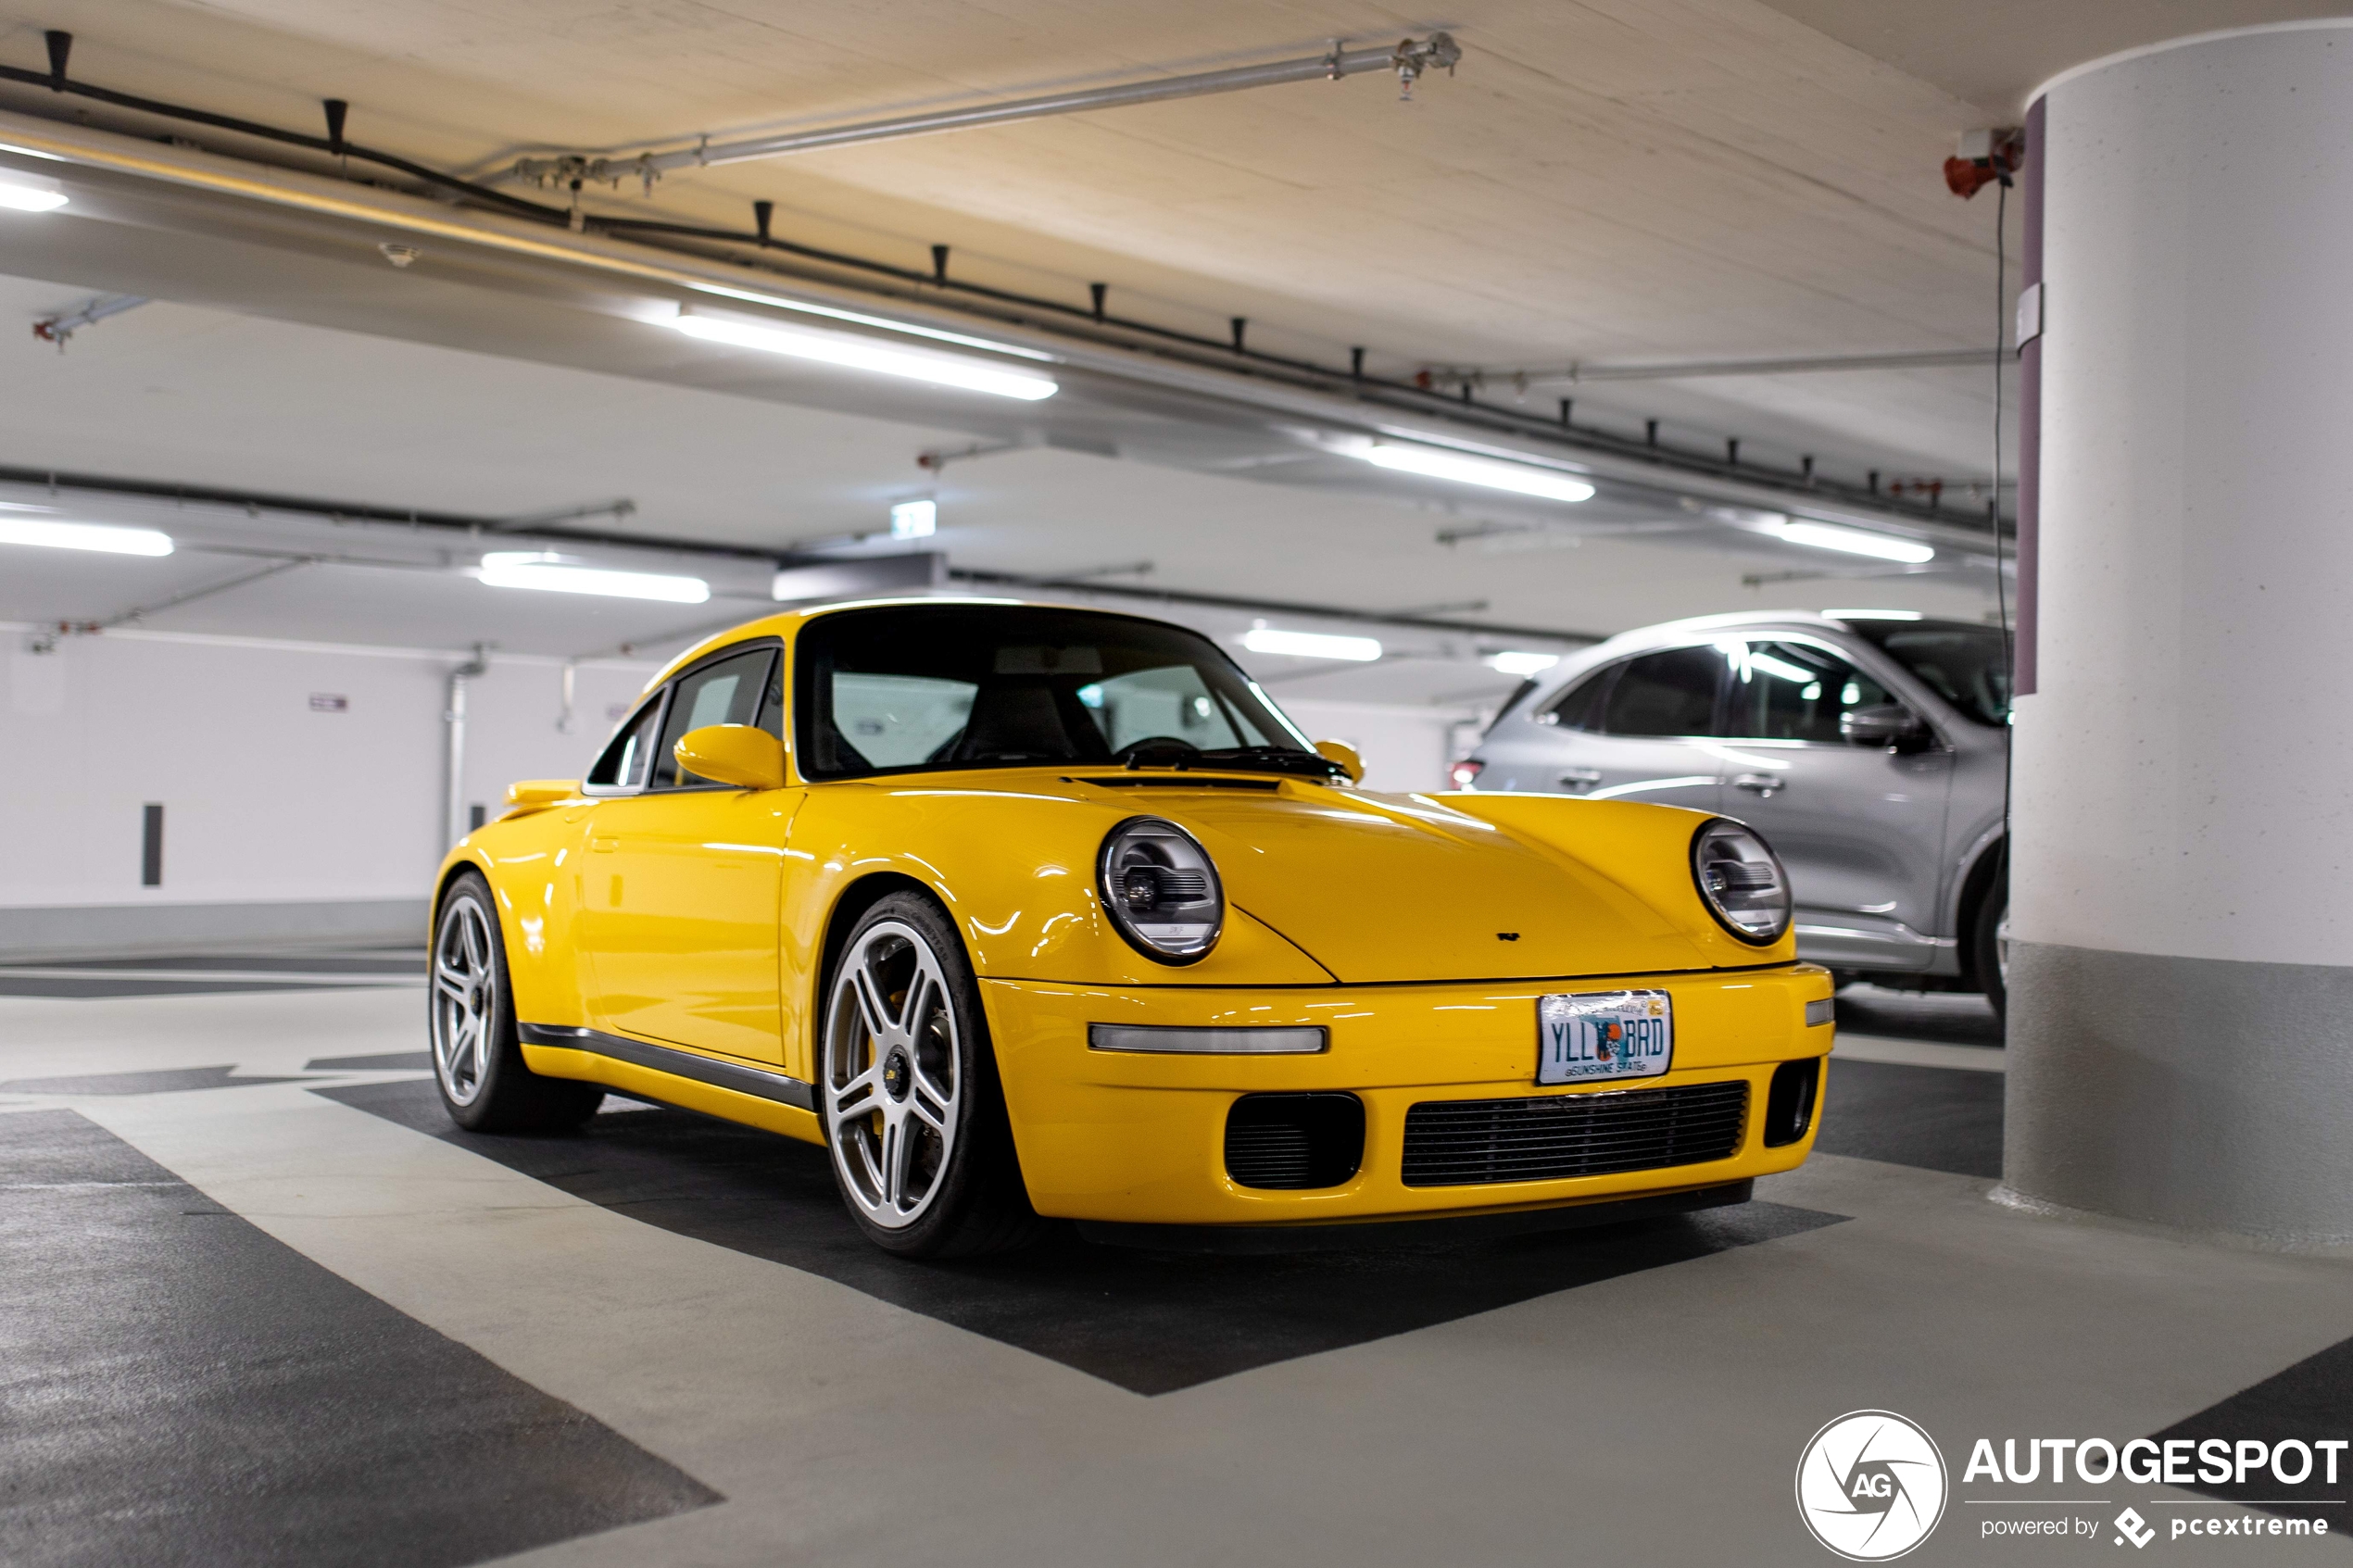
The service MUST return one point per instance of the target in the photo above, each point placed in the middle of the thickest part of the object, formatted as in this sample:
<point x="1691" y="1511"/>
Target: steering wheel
<point x="1155" y="749"/>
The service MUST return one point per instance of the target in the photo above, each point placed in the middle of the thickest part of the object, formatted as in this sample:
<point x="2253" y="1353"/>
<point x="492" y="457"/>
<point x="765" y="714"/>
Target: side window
<point x="1581" y="709"/>
<point x="623" y="764"/>
<point x="771" y="707"/>
<point x="725" y="693"/>
<point x="1666" y="693"/>
<point x="1795" y="691"/>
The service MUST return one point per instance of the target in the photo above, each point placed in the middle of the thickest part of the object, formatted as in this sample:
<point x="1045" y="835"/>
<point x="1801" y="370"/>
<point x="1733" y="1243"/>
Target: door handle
<point x="1765" y="786"/>
<point x="1581" y="778"/>
<point x="603" y="845"/>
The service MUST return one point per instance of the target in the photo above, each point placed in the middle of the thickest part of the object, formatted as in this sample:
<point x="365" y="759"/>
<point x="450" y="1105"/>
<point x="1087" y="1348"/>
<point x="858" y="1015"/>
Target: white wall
<point x="268" y="802"/>
<point x="284" y="819"/>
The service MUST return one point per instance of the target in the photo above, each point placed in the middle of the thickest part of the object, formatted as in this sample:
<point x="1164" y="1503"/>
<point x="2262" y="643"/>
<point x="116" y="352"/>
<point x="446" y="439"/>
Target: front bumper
<point x="1139" y="1138"/>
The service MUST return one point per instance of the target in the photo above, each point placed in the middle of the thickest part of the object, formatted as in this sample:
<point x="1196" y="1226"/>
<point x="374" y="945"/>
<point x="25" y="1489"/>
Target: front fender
<point x="1016" y="873"/>
<point x="525" y="857"/>
<point x="1644" y="848"/>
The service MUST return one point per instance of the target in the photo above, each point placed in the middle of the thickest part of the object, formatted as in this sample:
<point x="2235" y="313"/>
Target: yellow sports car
<point x="1025" y="912"/>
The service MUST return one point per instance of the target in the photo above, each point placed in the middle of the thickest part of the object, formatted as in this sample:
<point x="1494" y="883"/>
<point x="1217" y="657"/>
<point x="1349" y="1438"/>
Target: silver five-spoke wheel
<point x="892" y="1081"/>
<point x="465" y="984"/>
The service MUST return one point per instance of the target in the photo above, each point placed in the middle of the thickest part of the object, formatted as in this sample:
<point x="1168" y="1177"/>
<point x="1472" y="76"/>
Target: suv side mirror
<point x="741" y="755"/>
<point x="1890" y="724"/>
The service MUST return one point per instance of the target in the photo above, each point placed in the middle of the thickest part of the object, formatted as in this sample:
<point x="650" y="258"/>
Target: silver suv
<point x="1868" y="747"/>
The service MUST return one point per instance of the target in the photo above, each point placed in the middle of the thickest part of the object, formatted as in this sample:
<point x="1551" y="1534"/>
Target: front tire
<point x="477" y="1061"/>
<point x="1992" y="946"/>
<point x="915" y="1121"/>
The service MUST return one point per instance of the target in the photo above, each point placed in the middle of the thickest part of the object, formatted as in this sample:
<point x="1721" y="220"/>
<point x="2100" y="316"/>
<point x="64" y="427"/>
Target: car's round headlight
<point x="1741" y="879"/>
<point x="1162" y="890"/>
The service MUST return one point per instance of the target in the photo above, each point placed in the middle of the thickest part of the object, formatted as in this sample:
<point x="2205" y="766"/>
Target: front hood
<point x="1389" y="887"/>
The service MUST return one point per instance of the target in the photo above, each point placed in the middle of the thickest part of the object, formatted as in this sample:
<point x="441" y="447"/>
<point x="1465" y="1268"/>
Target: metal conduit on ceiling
<point x="1342" y="403"/>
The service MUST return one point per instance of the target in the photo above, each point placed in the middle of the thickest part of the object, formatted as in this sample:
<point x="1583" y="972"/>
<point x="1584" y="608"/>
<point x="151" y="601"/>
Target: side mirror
<point x="539" y="794"/>
<point x="740" y="754"/>
<point x="1339" y="752"/>
<point x="1890" y="726"/>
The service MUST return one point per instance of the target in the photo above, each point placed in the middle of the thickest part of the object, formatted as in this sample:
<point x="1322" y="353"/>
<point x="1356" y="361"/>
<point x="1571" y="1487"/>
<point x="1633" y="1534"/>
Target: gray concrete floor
<point x="246" y="1320"/>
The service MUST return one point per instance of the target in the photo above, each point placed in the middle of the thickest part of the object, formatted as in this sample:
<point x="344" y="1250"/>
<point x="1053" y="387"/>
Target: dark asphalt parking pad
<point x="164" y="1081"/>
<point x="1936" y="1118"/>
<point x="1150" y="1322"/>
<point x="91" y="986"/>
<point x="2311" y="1400"/>
<point x="386" y="1061"/>
<point x="180" y="1388"/>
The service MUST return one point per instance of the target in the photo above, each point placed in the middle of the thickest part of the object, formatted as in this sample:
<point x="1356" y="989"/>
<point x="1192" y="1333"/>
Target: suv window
<point x="1666" y="693"/>
<point x="1967" y="666"/>
<point x="727" y="692"/>
<point x="1794" y="691"/>
<point x="623" y="764"/>
<point x="1581" y="709"/>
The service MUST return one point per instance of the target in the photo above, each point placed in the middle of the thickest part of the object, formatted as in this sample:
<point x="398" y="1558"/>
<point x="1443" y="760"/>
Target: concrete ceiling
<point x="1994" y="52"/>
<point x="1637" y="181"/>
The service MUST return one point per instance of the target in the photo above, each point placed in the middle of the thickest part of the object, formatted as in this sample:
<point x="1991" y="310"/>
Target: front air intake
<point x="1789" y="1104"/>
<point x="1294" y="1142"/>
<point x="1547" y="1138"/>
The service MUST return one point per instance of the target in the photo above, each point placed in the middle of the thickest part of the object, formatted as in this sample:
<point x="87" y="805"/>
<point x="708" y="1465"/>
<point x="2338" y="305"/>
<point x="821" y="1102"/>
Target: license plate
<point x="1587" y="1036"/>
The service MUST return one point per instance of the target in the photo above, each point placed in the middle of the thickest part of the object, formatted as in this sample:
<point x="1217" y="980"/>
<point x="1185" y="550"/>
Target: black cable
<point x="289" y="138"/>
<point x="1993" y="511"/>
<point x="1993" y="499"/>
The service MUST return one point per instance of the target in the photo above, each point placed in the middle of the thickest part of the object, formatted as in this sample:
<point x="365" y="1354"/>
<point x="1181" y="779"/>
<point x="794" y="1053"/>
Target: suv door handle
<point x="1581" y="778"/>
<point x="1762" y="784"/>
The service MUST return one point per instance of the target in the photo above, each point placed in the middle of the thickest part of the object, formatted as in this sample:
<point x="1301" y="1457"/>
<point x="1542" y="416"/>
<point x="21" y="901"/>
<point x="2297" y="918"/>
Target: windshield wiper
<point x="1274" y="759"/>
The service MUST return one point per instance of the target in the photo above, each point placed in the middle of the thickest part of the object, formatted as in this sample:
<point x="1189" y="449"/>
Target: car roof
<point x="786" y="623"/>
<point x="1667" y="633"/>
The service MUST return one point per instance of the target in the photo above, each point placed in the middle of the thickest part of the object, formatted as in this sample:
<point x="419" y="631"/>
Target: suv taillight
<point x="1464" y="774"/>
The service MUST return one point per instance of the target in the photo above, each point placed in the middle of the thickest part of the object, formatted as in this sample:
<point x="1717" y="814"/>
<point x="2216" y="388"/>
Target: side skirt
<point x="753" y="1096"/>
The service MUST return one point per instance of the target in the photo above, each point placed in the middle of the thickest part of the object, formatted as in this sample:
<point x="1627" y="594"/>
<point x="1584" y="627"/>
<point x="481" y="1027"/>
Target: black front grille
<point x="1543" y="1138"/>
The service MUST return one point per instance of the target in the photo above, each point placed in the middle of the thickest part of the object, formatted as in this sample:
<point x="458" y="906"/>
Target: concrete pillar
<point x="2182" y="886"/>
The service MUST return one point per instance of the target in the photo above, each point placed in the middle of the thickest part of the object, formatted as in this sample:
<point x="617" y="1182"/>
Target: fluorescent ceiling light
<point x="1523" y="664"/>
<point x="533" y="568"/>
<point x="1523" y="479"/>
<point x="914" y="519"/>
<point x="1311" y="645"/>
<point x="1853" y="542"/>
<point x="1796" y="674"/>
<point x="29" y="193"/>
<point x="866" y="354"/>
<point x="937" y="334"/>
<point x="1872" y="614"/>
<point x="83" y="536"/>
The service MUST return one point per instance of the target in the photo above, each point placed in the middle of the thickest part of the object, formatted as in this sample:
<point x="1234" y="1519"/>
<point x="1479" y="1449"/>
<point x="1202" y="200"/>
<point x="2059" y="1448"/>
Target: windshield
<point x="1966" y="665"/>
<point x="925" y="686"/>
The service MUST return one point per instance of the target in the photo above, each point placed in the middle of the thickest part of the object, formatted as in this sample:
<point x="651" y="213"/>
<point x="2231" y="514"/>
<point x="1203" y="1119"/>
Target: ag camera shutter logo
<point x="1870" y="1485"/>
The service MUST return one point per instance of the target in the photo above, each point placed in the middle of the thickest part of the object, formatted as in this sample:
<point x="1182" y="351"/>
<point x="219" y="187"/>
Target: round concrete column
<point x="2182" y="962"/>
